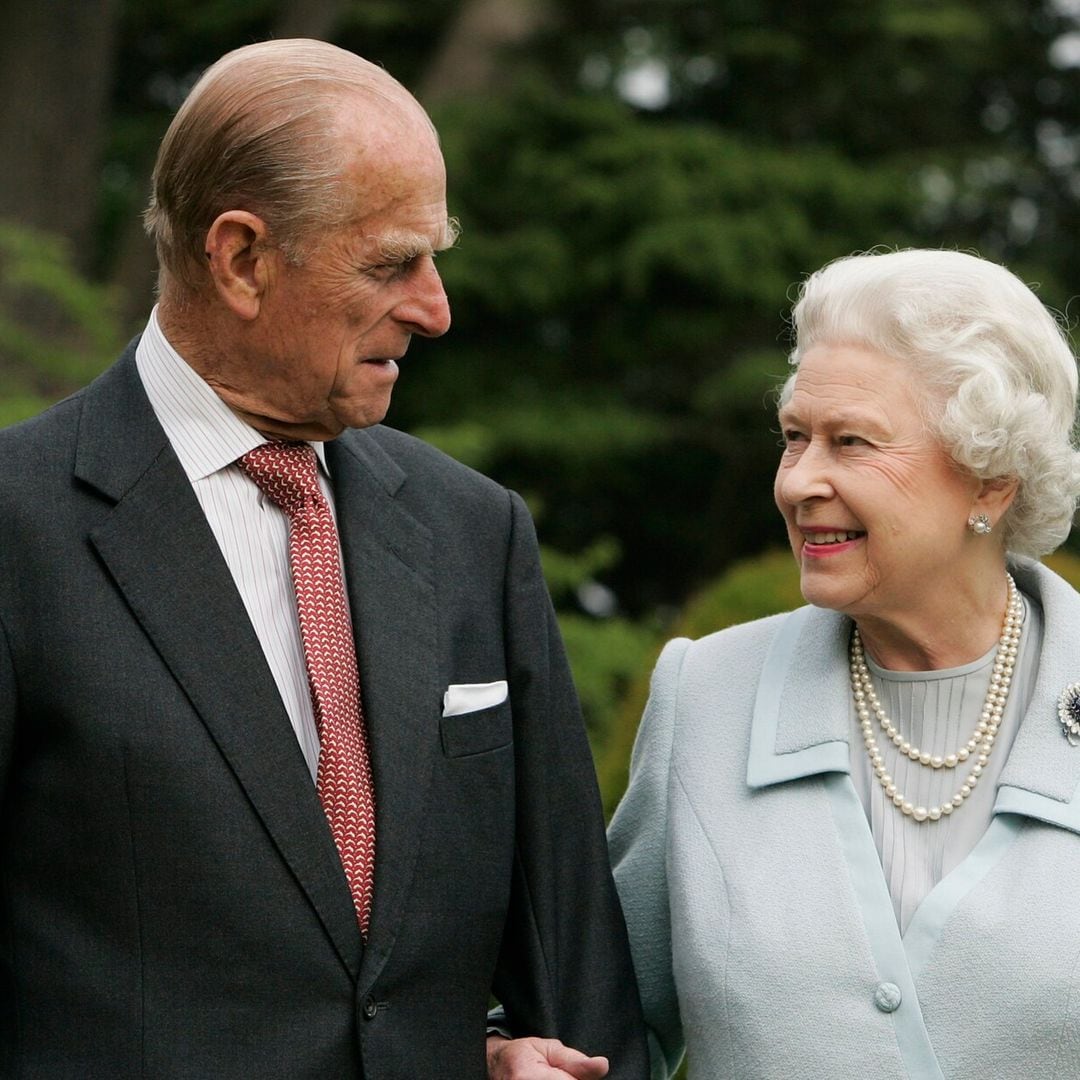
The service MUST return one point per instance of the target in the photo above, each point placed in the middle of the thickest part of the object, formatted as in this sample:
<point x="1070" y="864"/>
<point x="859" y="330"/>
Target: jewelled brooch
<point x="1069" y="713"/>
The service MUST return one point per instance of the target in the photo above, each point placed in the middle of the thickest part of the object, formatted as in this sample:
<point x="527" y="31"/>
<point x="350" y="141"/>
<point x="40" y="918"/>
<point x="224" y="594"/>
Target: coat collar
<point x="801" y="723"/>
<point x="1041" y="779"/>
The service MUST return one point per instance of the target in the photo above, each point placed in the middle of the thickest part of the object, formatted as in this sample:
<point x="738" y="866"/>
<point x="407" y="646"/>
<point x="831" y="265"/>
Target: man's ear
<point x="240" y="260"/>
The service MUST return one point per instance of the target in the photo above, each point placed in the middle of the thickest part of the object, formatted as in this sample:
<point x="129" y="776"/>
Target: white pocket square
<point x="471" y="697"/>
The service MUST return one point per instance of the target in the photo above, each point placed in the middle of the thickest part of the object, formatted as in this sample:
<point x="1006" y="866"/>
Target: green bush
<point x="57" y="330"/>
<point x="750" y="589"/>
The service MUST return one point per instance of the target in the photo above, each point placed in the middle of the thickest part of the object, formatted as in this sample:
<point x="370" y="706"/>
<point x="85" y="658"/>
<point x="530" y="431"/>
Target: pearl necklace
<point x="982" y="738"/>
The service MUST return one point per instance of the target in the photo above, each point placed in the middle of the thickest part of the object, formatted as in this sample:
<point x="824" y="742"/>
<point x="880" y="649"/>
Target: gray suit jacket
<point x="171" y="900"/>
<point x="763" y="933"/>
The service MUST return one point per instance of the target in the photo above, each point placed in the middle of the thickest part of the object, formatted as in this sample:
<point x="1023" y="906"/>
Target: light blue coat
<point x="762" y="929"/>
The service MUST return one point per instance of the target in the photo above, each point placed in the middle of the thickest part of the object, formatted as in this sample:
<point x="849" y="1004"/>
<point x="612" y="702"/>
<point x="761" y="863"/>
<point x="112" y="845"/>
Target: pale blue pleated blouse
<point x="937" y="711"/>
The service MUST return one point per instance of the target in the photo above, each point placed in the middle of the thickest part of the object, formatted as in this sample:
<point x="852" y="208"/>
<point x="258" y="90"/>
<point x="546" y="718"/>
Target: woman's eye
<point x="850" y="440"/>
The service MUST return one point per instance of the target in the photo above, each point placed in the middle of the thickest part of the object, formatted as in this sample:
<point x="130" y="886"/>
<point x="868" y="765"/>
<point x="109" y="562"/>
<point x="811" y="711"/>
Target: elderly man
<point x="292" y="772"/>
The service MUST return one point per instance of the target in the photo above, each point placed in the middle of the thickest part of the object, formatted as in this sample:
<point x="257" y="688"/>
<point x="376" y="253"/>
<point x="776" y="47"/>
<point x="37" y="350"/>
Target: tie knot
<point x="286" y="472"/>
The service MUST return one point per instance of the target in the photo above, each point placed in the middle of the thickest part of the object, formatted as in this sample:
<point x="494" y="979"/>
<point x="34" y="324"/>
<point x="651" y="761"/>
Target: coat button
<point x="370" y="1008"/>
<point x="887" y="997"/>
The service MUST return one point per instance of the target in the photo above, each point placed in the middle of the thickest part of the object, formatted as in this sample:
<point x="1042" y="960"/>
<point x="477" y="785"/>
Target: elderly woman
<point x="850" y="847"/>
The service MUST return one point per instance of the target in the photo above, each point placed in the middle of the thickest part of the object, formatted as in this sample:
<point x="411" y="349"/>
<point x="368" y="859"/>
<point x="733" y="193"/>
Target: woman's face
<point x="876" y="511"/>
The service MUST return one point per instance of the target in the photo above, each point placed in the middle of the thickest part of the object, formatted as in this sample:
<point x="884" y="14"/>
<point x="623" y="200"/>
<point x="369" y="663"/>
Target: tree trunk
<point x="56" y="63"/>
<point x="473" y="55"/>
<point x="310" y="19"/>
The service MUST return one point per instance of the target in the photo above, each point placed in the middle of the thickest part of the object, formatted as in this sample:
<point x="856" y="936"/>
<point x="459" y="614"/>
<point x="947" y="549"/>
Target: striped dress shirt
<point x="252" y="532"/>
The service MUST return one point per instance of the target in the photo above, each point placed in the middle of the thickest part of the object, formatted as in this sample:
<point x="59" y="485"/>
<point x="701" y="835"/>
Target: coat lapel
<point x="389" y="567"/>
<point x="800" y="723"/>
<point x="1041" y="779"/>
<point x="163" y="557"/>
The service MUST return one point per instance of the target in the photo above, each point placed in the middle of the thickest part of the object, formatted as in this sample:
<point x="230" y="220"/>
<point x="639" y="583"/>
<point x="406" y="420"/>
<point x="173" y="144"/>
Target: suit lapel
<point x="389" y="569"/>
<point x="163" y="557"/>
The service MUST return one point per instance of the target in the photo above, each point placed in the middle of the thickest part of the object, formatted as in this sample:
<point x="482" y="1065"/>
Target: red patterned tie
<point x="287" y="472"/>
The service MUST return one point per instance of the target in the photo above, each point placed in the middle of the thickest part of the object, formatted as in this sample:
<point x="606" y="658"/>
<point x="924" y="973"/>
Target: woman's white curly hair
<point x="1000" y="374"/>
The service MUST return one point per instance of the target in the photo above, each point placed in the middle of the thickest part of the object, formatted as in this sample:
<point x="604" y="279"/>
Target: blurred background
<point x="640" y="184"/>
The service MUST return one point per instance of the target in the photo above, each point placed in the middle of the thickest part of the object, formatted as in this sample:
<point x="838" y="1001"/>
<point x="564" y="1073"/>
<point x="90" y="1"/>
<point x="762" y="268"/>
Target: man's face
<point x="322" y="354"/>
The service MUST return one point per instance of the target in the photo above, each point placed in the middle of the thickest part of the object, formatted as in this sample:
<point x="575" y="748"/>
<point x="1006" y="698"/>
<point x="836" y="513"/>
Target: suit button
<point x="370" y="1008"/>
<point x="887" y="997"/>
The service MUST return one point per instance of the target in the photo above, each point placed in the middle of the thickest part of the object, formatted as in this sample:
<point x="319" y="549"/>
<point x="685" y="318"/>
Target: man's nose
<point x="426" y="308"/>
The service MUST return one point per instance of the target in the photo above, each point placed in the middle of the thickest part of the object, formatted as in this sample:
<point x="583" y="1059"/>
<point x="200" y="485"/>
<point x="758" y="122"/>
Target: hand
<point x="540" y="1059"/>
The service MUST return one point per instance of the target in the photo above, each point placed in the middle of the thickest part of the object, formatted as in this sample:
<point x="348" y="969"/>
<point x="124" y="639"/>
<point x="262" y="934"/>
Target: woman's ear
<point x="239" y="260"/>
<point x="994" y="497"/>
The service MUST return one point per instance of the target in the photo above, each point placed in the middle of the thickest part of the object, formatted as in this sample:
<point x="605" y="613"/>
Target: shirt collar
<point x="205" y="433"/>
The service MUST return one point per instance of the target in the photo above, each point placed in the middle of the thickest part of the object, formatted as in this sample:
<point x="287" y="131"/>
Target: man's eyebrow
<point x="406" y="246"/>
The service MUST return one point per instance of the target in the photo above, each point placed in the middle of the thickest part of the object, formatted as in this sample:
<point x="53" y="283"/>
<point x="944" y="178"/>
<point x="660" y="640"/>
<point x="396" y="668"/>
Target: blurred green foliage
<point x="612" y="272"/>
<point x="639" y="190"/>
<point x="749" y="589"/>
<point x="57" y="330"/>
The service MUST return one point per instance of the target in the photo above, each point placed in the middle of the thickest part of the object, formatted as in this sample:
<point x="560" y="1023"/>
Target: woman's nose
<point x="807" y="477"/>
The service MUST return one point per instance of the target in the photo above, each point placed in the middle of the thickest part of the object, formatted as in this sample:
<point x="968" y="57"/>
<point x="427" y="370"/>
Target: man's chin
<point x="357" y="414"/>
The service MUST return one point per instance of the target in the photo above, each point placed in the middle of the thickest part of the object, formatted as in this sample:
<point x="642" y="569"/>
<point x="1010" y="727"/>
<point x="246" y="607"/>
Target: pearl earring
<point x="980" y="525"/>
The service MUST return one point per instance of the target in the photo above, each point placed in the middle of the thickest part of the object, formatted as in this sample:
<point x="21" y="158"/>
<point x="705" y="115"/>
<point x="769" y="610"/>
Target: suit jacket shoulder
<point x="417" y="472"/>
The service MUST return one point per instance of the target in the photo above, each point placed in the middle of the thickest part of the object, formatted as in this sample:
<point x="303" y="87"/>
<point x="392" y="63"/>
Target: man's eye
<point x="851" y="440"/>
<point x="388" y="270"/>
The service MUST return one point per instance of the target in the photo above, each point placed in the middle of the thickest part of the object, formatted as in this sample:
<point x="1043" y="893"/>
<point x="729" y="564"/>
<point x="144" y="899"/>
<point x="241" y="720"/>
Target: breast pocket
<point x="476" y="732"/>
